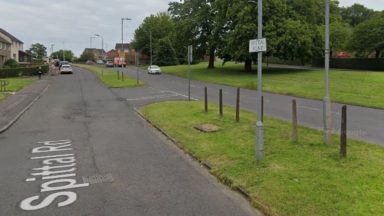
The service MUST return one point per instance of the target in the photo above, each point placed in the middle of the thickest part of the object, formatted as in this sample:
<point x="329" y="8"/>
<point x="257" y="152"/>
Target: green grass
<point x="16" y="84"/>
<point x="350" y="87"/>
<point x="109" y="77"/>
<point x="307" y="178"/>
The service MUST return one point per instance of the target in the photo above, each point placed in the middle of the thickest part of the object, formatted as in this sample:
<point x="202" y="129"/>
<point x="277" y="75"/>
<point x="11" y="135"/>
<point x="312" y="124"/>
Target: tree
<point x="87" y="55"/>
<point x="165" y="55"/>
<point x="356" y="14"/>
<point x="37" y="51"/>
<point x="201" y="21"/>
<point x="160" y="26"/>
<point x="61" y="54"/>
<point x="368" y="36"/>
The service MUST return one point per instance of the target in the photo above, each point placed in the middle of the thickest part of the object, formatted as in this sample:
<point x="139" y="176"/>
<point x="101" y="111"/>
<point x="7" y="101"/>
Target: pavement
<point x="16" y="104"/>
<point x="82" y="150"/>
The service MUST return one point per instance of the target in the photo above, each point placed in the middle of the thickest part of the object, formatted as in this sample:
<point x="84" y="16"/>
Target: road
<point x="83" y="150"/>
<point x="363" y="123"/>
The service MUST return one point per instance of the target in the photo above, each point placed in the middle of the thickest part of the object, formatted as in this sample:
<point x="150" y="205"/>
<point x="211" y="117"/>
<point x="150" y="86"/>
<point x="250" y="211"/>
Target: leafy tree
<point x="37" y="51"/>
<point x="165" y="55"/>
<point x="202" y="23"/>
<point x="87" y="55"/>
<point x="160" y="26"/>
<point x="61" y="53"/>
<point x="356" y="14"/>
<point x="368" y="36"/>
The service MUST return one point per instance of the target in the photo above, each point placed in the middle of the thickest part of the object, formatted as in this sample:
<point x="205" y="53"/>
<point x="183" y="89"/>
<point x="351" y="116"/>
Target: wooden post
<point x="343" y="132"/>
<point x="238" y="105"/>
<point x="294" y="122"/>
<point x="205" y="99"/>
<point x="122" y="76"/>
<point x="118" y="75"/>
<point x="262" y="108"/>
<point x="221" y="102"/>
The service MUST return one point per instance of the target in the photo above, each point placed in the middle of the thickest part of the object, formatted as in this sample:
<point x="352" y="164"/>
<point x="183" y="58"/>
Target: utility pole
<point x="90" y="41"/>
<point x="327" y="109"/>
<point x="150" y="43"/>
<point x="63" y="52"/>
<point x="122" y="35"/>
<point x="259" y="123"/>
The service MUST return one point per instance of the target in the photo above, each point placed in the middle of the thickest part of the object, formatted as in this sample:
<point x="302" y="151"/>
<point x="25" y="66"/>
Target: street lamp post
<point x="52" y="45"/>
<point x="90" y="41"/>
<point x="150" y="44"/>
<point x="102" y="44"/>
<point x="122" y="32"/>
<point x="327" y="110"/>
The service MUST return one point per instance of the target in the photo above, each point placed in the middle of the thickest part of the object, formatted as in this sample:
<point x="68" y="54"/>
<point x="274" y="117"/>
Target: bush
<point x="10" y="63"/>
<point x="25" y="71"/>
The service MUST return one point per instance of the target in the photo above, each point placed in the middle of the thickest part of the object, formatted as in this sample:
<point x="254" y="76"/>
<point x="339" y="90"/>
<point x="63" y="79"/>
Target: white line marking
<point x="30" y="179"/>
<point x="51" y="156"/>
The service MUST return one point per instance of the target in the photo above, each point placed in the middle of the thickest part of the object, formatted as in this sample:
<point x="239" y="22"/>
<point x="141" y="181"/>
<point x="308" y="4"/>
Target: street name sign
<point x="258" y="45"/>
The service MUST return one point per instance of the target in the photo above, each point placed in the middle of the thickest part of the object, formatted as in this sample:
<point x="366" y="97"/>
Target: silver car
<point x="154" y="69"/>
<point x="66" y="69"/>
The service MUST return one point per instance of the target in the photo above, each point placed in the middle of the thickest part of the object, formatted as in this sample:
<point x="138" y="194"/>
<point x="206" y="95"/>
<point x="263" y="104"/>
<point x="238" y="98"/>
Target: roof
<point x="94" y="50"/>
<point x="3" y="40"/>
<point x="13" y="38"/>
<point x="125" y="46"/>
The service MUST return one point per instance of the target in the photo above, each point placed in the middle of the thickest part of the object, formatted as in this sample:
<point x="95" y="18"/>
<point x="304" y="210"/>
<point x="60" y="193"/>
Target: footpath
<point x="15" y="105"/>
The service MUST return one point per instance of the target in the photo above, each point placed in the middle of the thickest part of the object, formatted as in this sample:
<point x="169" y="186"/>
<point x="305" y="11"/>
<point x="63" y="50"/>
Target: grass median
<point x="307" y="178"/>
<point x="109" y="77"/>
<point x="362" y="88"/>
<point x="15" y="85"/>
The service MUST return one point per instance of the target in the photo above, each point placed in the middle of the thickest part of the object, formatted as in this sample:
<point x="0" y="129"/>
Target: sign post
<point x="259" y="45"/>
<point x="190" y="59"/>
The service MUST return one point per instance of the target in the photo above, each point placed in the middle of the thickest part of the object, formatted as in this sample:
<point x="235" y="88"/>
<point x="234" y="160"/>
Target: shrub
<point x="10" y="63"/>
<point x="24" y="71"/>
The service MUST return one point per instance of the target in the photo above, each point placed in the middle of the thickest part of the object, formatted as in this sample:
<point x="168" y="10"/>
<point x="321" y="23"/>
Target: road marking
<point x="56" y="176"/>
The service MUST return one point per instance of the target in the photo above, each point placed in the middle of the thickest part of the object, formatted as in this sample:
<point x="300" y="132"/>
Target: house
<point x="5" y="50"/>
<point x="126" y="47"/>
<point x="16" y="46"/>
<point x="98" y="53"/>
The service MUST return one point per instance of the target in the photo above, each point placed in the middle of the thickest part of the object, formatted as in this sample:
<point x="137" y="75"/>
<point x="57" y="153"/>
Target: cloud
<point x="70" y="23"/>
<point x="372" y="4"/>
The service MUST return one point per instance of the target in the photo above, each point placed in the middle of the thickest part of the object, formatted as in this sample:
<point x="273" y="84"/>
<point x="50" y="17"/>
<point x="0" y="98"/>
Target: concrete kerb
<point x="207" y="165"/>
<point x="13" y="120"/>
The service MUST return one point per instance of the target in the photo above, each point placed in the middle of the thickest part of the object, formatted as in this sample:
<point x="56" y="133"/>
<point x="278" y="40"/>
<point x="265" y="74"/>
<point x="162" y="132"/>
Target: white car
<point x="66" y="69"/>
<point x="154" y="69"/>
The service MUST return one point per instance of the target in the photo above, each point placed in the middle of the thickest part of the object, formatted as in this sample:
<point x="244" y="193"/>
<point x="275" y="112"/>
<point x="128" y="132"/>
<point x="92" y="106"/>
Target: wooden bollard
<point x="122" y="76"/>
<point x="343" y="132"/>
<point x="118" y="75"/>
<point x="205" y="99"/>
<point x="294" y="122"/>
<point x="221" y="102"/>
<point x="238" y="105"/>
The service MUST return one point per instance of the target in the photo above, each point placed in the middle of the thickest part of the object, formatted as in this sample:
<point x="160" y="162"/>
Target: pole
<point x="63" y="53"/>
<point x="238" y="105"/>
<point x="327" y="110"/>
<point x="205" y="99"/>
<point x="150" y="44"/>
<point x="294" y="122"/>
<point x="221" y="102"/>
<point x="137" y="67"/>
<point x="189" y="71"/>
<point x="122" y="36"/>
<point x="343" y="134"/>
<point x="259" y="123"/>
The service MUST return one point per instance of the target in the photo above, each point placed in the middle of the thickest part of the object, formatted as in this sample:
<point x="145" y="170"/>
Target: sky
<point x="70" y="24"/>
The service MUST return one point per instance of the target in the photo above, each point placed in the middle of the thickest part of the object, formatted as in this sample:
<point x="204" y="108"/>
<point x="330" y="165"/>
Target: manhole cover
<point x="207" y="128"/>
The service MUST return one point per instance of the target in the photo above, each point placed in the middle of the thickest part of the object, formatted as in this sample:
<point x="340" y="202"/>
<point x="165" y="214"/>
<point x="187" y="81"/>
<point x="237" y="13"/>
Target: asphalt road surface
<point x="82" y="150"/>
<point x="363" y="123"/>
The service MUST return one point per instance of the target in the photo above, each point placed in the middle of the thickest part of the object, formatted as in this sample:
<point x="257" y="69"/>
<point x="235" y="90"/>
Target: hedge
<point x="22" y="71"/>
<point x="375" y="64"/>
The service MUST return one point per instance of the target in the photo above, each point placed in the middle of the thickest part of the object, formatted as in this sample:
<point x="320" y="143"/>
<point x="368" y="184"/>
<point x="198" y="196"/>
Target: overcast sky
<point x="70" y="23"/>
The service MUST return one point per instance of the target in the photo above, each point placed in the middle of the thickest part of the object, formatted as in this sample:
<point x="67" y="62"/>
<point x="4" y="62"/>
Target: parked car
<point x="66" y="69"/>
<point x="154" y="69"/>
<point x="109" y="64"/>
<point x="100" y="62"/>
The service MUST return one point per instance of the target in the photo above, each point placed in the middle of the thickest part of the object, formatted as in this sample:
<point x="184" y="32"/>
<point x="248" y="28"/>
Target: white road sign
<point x="258" y="45"/>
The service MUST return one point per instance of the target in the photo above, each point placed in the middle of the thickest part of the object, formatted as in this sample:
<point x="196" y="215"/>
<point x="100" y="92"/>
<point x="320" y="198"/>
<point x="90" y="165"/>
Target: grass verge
<point x="16" y="84"/>
<point x="109" y="77"/>
<point x="362" y="88"/>
<point x="307" y="178"/>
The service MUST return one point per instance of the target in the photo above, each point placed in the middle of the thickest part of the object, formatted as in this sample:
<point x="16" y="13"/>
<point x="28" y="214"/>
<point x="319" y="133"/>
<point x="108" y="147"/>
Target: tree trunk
<point x="211" y="63"/>
<point x="377" y="53"/>
<point x="248" y="65"/>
